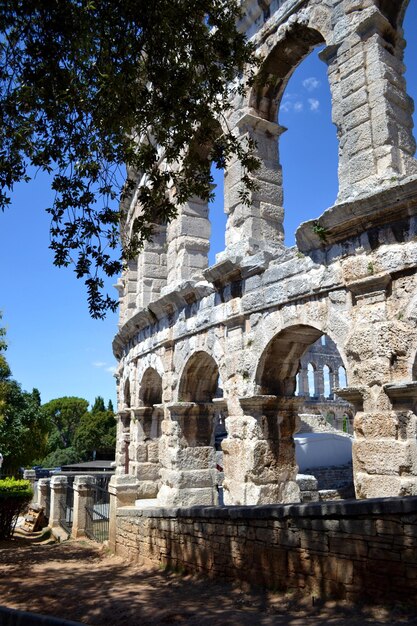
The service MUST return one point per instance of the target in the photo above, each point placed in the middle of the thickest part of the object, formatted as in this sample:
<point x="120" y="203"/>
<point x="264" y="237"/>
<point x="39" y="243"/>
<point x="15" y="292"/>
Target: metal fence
<point x="97" y="515"/>
<point x="67" y="507"/>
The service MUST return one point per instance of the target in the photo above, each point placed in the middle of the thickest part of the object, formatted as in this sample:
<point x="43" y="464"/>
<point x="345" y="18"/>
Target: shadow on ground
<point x="82" y="581"/>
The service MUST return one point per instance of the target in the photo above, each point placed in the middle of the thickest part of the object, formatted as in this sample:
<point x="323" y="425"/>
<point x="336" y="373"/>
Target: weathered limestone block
<point x="259" y="453"/>
<point x="187" y="456"/>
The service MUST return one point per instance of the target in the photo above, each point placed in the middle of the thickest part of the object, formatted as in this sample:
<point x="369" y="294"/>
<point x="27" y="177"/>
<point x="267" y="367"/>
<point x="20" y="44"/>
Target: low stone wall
<point x="346" y="549"/>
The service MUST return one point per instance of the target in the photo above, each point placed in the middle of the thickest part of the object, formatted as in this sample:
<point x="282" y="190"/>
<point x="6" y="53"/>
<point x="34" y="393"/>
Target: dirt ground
<point x="82" y="581"/>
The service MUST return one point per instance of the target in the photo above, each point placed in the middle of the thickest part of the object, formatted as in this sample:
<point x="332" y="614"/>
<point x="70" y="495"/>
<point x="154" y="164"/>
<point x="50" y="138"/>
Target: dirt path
<point x="81" y="581"/>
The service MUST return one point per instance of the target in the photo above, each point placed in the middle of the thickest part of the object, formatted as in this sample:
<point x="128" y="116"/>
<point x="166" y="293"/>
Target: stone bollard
<point x="44" y="490"/>
<point x="59" y="486"/>
<point x="30" y="475"/>
<point x="84" y="489"/>
<point x="123" y="492"/>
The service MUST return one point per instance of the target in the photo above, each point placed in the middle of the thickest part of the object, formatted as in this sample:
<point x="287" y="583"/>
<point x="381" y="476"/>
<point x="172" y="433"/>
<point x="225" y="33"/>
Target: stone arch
<point x="150" y="390"/>
<point x="393" y="11"/>
<point x="278" y="67"/>
<point x="200" y="379"/>
<point x="311" y="373"/>
<point x="126" y="393"/>
<point x="279" y="361"/>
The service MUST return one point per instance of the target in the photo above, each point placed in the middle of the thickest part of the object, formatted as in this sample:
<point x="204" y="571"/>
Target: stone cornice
<point x="348" y="219"/>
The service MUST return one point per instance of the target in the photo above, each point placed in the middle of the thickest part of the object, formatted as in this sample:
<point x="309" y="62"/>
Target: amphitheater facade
<point x="204" y="349"/>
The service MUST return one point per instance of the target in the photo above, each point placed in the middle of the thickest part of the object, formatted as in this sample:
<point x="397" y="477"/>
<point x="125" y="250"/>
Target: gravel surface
<point x="84" y="582"/>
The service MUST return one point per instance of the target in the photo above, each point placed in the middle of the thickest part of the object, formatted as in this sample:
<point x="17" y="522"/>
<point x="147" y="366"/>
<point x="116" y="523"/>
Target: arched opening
<point x="126" y="394"/>
<point x="292" y="360"/>
<point x="145" y="432"/>
<point x="217" y="215"/>
<point x="200" y="379"/>
<point x="293" y="90"/>
<point x="150" y="390"/>
<point x="309" y="147"/>
<point x="280" y="361"/>
<point x="410" y="52"/>
<point x="327" y="391"/>
<point x="311" y="375"/>
<point x="342" y="377"/>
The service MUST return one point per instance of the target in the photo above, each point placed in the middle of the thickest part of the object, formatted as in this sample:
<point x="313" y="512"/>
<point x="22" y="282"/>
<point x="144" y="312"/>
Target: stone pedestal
<point x="259" y="452"/>
<point x="187" y="456"/>
<point x="59" y="485"/>
<point x="84" y="489"/>
<point x="44" y="494"/>
<point x="123" y="492"/>
<point x="30" y="475"/>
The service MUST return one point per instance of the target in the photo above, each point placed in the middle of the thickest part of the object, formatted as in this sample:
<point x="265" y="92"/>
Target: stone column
<point x="30" y="475"/>
<point x="385" y="446"/>
<point x="84" y="490"/>
<point x="122" y="441"/>
<point x="44" y="494"/>
<point x="303" y="383"/>
<point x="59" y="485"/>
<point x="259" y="452"/>
<point x="143" y="450"/>
<point x="188" y="239"/>
<point x="123" y="492"/>
<point x="187" y="456"/>
<point x="371" y="109"/>
<point x="260" y="224"/>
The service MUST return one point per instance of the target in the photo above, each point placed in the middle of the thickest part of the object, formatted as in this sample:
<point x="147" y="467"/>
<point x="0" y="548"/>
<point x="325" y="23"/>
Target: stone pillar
<point x="143" y="450"/>
<point x="152" y="269"/>
<point x="188" y="239"/>
<point x="187" y="456"/>
<point x="259" y="452"/>
<point x="30" y="475"/>
<point x="144" y="277"/>
<point x="59" y="485"/>
<point x="44" y="494"/>
<point x="259" y="225"/>
<point x="385" y="446"/>
<point x="371" y="109"/>
<point x="84" y="490"/>
<point x="303" y="389"/>
<point x="123" y="492"/>
<point x="122" y="441"/>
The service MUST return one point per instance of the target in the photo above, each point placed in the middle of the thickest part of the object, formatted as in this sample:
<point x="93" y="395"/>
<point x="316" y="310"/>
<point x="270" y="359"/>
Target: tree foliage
<point x="77" y="434"/>
<point x="23" y="429"/>
<point x="88" y="87"/>
<point x="63" y="416"/>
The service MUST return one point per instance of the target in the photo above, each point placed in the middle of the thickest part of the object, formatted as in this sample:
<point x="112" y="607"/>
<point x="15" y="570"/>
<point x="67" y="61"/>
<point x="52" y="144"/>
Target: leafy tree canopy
<point x="63" y="415"/>
<point x="88" y="87"/>
<point x="23" y="429"/>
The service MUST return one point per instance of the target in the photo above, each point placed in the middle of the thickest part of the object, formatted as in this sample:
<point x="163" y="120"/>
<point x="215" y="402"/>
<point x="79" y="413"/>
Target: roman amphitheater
<point x="204" y="350"/>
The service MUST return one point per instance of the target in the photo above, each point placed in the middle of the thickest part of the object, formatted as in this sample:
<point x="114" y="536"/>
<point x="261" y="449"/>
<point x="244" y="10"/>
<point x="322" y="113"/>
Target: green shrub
<point x="15" y="495"/>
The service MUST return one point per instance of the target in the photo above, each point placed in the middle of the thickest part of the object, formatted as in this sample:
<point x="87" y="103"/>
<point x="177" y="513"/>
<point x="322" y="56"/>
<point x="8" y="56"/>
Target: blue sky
<point x="53" y="343"/>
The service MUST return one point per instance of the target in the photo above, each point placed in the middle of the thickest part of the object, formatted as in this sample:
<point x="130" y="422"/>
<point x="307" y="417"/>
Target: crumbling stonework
<point x="201" y="346"/>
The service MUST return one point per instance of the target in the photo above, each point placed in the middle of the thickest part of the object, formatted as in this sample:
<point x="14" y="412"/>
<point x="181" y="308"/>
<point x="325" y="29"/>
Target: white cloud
<point x="314" y="104"/>
<point x="311" y="83"/>
<point x="286" y="106"/>
<point x="99" y="364"/>
<point x="111" y="369"/>
<point x="298" y="107"/>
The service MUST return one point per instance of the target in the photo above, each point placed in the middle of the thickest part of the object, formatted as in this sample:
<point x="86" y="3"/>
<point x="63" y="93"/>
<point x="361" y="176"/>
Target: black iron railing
<point x="97" y="515"/>
<point x="67" y="508"/>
